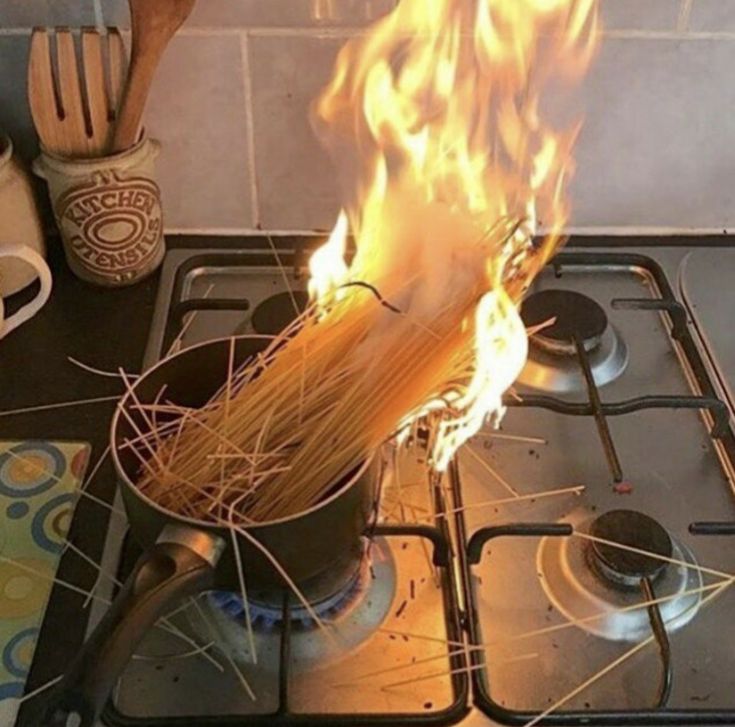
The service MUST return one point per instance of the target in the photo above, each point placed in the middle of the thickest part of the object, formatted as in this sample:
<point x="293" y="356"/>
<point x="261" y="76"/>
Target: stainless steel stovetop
<point x="517" y="619"/>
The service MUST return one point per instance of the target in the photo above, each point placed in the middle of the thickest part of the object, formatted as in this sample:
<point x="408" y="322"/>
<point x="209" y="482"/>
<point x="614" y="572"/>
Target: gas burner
<point x="272" y="315"/>
<point x="552" y="359"/>
<point x="576" y="316"/>
<point x="353" y="614"/>
<point x="626" y="568"/>
<point x="583" y="578"/>
<point x="265" y="616"/>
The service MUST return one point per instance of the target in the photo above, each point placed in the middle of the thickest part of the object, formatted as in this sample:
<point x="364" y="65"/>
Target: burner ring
<point x="602" y="607"/>
<point x="628" y="527"/>
<point x="354" y="615"/>
<point x="552" y="363"/>
<point x="269" y="616"/>
<point x="577" y="317"/>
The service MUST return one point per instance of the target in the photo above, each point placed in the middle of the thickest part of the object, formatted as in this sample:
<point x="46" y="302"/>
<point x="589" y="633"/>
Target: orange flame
<point x="435" y="119"/>
<point x="327" y="265"/>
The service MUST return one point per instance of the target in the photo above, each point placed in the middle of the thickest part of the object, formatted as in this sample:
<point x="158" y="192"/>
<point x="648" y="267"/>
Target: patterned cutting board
<point x="38" y="481"/>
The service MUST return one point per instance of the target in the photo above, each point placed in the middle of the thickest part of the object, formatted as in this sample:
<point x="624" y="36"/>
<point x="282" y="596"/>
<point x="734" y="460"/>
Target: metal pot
<point x="319" y="549"/>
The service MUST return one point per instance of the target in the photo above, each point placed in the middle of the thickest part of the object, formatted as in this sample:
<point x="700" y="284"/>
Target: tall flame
<point x="434" y="118"/>
<point x="327" y="265"/>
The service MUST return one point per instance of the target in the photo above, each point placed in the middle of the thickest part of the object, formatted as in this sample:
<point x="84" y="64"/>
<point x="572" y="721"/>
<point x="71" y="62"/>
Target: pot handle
<point x="181" y="563"/>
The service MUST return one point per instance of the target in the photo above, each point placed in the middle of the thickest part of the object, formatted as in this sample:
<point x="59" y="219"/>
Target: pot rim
<point x="360" y="472"/>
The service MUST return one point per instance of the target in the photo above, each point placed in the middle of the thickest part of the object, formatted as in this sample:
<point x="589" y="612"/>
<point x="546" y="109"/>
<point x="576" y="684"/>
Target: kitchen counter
<point x="103" y="328"/>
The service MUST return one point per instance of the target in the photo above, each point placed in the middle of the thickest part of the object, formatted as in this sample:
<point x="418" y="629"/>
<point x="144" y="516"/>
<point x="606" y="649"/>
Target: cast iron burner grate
<point x="469" y="552"/>
<point x="593" y="324"/>
<point x="288" y="626"/>
<point x="654" y="537"/>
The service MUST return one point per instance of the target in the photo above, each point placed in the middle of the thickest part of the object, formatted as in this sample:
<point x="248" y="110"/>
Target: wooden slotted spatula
<point x="74" y="115"/>
<point x="103" y="89"/>
<point x="154" y="23"/>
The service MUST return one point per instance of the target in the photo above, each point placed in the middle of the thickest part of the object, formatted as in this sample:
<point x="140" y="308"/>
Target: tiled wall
<point x="230" y="105"/>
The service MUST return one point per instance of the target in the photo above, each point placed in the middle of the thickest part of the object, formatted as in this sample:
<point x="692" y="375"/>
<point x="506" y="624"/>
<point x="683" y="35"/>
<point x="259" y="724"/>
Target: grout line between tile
<point x="99" y="18"/>
<point x="669" y="35"/>
<point x="345" y="33"/>
<point x="240" y="231"/>
<point x="611" y="231"/>
<point x="196" y="30"/>
<point x="250" y="130"/>
<point x="685" y="12"/>
<point x="318" y="32"/>
<point x="644" y="230"/>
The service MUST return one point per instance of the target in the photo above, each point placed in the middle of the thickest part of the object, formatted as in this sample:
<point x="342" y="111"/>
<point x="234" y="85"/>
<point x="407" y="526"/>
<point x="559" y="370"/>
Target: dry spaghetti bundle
<point x="328" y="391"/>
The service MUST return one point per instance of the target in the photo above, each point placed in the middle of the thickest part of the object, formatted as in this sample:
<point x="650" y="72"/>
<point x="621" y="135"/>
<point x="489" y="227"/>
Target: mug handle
<point x="29" y="255"/>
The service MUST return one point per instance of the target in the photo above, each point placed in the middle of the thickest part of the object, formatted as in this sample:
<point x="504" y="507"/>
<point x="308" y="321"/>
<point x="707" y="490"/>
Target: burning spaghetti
<point x="447" y="164"/>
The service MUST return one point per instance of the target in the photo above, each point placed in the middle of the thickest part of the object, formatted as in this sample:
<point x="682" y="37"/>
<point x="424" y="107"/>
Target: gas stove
<point x="498" y="592"/>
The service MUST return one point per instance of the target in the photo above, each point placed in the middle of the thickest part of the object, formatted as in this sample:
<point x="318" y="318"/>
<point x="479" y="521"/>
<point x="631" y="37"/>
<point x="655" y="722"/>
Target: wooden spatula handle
<point x="140" y="79"/>
<point x="153" y="26"/>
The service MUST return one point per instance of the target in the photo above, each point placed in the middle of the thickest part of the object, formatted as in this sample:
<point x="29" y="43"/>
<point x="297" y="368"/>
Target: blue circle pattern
<point x="43" y="449"/>
<point x="38" y="528"/>
<point x="11" y="690"/>
<point x="17" y="510"/>
<point x="9" y="661"/>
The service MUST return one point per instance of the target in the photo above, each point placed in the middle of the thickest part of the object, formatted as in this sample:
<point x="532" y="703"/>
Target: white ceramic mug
<point x="30" y="256"/>
<point x="20" y="221"/>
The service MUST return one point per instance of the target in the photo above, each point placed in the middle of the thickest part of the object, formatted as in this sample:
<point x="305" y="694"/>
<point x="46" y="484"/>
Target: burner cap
<point x="628" y="527"/>
<point x="272" y="315"/>
<point x="576" y="315"/>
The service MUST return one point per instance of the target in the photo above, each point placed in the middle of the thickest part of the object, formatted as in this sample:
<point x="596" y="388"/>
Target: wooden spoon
<point x="154" y="23"/>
